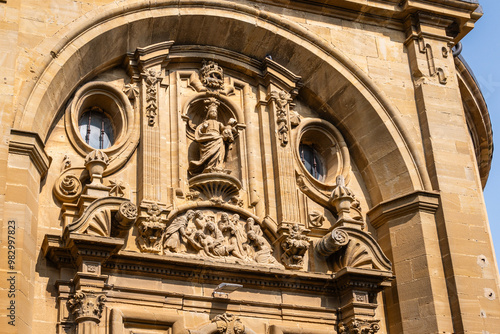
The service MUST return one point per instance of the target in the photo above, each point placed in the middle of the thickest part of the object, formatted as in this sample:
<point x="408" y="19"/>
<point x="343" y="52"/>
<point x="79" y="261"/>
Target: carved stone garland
<point x="152" y="78"/>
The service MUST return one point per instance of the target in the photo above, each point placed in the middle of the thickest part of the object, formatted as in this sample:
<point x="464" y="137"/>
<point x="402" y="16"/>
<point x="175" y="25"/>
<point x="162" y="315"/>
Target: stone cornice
<point x="205" y="271"/>
<point x="392" y="13"/>
<point x="29" y="143"/>
<point x="392" y="209"/>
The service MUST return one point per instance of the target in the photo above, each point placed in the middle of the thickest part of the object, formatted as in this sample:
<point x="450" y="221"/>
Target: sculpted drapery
<point x="212" y="137"/>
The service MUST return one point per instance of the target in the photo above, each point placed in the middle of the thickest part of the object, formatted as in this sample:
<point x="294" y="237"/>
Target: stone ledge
<point x="417" y="201"/>
<point x="29" y="143"/>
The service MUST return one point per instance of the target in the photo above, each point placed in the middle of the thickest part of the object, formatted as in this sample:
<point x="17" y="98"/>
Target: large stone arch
<point x="389" y="161"/>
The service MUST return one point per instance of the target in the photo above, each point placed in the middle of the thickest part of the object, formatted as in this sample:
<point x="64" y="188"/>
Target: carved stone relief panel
<point x="210" y="234"/>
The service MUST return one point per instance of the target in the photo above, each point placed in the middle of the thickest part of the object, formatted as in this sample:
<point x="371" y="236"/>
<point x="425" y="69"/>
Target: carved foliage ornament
<point x="151" y="230"/>
<point x="86" y="305"/>
<point x="359" y="327"/>
<point x="294" y="245"/>
<point x="152" y="78"/>
<point x="282" y="99"/>
<point x="228" y="324"/>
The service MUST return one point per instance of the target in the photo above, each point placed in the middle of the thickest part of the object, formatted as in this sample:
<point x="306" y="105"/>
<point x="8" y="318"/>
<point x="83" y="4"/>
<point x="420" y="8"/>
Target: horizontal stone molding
<point x="273" y="329"/>
<point x="120" y="315"/>
<point x="397" y="207"/>
<point x="29" y="143"/>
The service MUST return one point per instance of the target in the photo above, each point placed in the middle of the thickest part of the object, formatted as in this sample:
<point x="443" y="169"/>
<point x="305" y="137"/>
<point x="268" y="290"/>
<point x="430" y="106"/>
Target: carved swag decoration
<point x="208" y="234"/>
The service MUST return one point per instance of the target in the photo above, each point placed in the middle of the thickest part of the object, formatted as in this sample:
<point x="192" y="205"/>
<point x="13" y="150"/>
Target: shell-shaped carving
<point x="215" y="185"/>
<point x="103" y="215"/>
<point x="362" y="251"/>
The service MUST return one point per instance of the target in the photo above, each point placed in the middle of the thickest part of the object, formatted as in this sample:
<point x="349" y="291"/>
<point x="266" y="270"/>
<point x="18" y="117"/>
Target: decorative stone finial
<point x="96" y="162"/>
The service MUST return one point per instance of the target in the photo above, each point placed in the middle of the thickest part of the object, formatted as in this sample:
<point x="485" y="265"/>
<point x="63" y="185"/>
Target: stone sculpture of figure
<point x="231" y="236"/>
<point x="199" y="220"/>
<point x="212" y="137"/>
<point x="263" y="253"/>
<point x="252" y="226"/>
<point x="175" y="232"/>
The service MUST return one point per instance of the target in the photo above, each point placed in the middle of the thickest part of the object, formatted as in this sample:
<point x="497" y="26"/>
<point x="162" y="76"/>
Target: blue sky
<point x="481" y="49"/>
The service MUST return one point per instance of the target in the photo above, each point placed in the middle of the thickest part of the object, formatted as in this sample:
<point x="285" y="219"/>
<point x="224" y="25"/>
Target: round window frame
<point x="115" y="105"/>
<point x="330" y="137"/>
<point x="105" y="115"/>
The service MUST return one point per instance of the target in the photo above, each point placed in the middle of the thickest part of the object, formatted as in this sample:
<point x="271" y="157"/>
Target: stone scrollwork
<point x="68" y="187"/>
<point x="151" y="230"/>
<point x="356" y="326"/>
<point x="353" y="248"/>
<point x="332" y="242"/>
<point x="87" y="306"/>
<point x="218" y="236"/>
<point x="105" y="217"/>
<point x="295" y="244"/>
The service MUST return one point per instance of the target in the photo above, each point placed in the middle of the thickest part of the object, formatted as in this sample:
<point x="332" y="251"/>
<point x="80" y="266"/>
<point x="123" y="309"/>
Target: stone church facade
<point x="213" y="166"/>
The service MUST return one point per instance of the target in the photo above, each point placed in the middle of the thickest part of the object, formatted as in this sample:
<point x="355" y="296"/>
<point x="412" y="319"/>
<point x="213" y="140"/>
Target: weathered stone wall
<point x="387" y="83"/>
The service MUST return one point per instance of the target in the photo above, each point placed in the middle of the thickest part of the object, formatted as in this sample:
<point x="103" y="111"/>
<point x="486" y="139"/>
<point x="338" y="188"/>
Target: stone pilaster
<point x="282" y="86"/>
<point x="27" y="164"/>
<point x="461" y="220"/>
<point x="418" y="300"/>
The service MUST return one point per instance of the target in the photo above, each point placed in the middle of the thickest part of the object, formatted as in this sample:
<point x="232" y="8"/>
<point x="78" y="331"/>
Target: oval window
<point x="96" y="128"/>
<point x="313" y="161"/>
